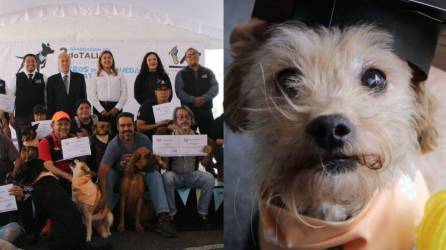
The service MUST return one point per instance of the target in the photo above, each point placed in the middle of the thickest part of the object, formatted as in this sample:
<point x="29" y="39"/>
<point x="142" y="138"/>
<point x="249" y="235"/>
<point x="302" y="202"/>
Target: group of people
<point x="96" y="110"/>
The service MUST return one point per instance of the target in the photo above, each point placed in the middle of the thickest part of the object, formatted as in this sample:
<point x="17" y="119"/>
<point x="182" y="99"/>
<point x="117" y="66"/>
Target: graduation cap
<point x="414" y="24"/>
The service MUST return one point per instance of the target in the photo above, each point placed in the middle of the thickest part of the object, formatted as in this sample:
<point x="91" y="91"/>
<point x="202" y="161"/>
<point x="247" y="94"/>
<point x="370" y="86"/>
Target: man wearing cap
<point x="29" y="90"/>
<point x="196" y="86"/>
<point x="65" y="88"/>
<point x="50" y="149"/>
<point x="145" y="122"/>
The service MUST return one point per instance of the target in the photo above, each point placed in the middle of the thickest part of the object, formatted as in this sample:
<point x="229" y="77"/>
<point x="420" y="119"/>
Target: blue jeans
<point x="11" y="231"/>
<point x="195" y="179"/>
<point x="154" y="182"/>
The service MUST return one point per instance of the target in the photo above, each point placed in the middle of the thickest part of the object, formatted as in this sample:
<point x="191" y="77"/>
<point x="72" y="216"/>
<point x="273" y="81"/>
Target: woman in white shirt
<point x="108" y="89"/>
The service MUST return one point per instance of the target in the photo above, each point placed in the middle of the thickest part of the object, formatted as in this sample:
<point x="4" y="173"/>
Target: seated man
<point x="183" y="171"/>
<point x="145" y="122"/>
<point x="118" y="152"/>
<point x="50" y="149"/>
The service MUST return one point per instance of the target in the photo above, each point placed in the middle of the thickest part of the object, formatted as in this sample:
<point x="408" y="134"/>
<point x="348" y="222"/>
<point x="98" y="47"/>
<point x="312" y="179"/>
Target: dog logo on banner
<point x="40" y="57"/>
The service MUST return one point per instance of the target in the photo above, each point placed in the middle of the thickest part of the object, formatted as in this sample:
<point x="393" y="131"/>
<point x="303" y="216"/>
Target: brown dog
<point x="132" y="191"/>
<point x="86" y="195"/>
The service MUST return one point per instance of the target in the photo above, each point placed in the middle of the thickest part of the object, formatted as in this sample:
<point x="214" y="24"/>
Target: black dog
<point x="40" y="57"/>
<point x="30" y="142"/>
<point x="52" y="202"/>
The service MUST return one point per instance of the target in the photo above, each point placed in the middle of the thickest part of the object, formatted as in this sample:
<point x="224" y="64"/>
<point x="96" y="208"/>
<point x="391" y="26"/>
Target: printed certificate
<point x="7" y="103"/>
<point x="164" y="111"/>
<point x="44" y="129"/>
<point x="179" y="145"/>
<point x="7" y="201"/>
<point x="75" y="147"/>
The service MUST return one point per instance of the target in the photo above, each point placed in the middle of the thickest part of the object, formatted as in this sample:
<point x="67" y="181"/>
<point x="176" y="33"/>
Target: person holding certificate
<point x="50" y="149"/>
<point x="183" y="171"/>
<point x="145" y="122"/>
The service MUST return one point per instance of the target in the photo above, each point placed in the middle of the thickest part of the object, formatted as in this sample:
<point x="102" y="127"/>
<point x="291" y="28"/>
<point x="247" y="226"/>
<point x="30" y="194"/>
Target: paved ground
<point x="194" y="240"/>
<point x="186" y="240"/>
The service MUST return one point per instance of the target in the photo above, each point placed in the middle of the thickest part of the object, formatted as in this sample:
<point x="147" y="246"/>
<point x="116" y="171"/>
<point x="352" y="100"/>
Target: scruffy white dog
<point x="338" y="118"/>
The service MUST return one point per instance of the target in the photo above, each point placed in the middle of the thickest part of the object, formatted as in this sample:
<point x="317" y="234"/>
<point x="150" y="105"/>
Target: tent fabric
<point x="195" y="20"/>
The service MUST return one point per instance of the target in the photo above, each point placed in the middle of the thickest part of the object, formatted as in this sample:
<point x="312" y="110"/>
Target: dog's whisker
<point x="264" y="92"/>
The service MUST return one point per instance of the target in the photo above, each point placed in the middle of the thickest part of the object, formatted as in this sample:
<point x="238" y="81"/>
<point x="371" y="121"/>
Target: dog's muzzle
<point x="330" y="132"/>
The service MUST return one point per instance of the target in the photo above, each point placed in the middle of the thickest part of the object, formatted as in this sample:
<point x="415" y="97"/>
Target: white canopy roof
<point x="112" y="20"/>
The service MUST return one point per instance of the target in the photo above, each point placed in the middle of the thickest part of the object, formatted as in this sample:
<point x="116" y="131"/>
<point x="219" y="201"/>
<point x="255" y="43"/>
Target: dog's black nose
<point x="330" y="131"/>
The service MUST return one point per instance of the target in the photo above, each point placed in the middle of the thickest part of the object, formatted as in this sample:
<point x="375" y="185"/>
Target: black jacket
<point x="57" y="98"/>
<point x="29" y="93"/>
<point x="145" y="86"/>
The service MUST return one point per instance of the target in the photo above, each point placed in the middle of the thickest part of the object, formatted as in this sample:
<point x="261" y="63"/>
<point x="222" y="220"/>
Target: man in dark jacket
<point x="196" y="86"/>
<point x="64" y="89"/>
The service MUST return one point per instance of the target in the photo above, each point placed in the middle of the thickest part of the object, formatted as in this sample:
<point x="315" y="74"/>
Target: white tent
<point x="101" y="20"/>
<point x="130" y="28"/>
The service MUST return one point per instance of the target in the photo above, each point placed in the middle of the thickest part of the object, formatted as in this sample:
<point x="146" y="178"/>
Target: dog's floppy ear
<point x="132" y="161"/>
<point x="243" y="44"/>
<point x="424" y="122"/>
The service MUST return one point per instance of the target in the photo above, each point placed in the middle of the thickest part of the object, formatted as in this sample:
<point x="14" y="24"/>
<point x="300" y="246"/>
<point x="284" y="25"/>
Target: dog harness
<point x="387" y="222"/>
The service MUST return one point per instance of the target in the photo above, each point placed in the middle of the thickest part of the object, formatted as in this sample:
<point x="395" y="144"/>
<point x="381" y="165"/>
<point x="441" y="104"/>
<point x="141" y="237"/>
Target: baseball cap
<point x="59" y="115"/>
<point x="160" y="83"/>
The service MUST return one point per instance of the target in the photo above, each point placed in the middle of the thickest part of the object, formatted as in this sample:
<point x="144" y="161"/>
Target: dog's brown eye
<point x="374" y="79"/>
<point x="287" y="80"/>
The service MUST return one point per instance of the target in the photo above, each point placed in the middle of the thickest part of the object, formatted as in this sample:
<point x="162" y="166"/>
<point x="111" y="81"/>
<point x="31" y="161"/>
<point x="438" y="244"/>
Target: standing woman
<point x="152" y="71"/>
<point x="108" y="89"/>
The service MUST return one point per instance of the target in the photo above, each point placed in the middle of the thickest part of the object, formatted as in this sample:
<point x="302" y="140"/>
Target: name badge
<point x="204" y="76"/>
<point x="38" y="81"/>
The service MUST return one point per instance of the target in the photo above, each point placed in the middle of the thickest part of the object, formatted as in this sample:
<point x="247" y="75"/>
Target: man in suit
<point x="65" y="88"/>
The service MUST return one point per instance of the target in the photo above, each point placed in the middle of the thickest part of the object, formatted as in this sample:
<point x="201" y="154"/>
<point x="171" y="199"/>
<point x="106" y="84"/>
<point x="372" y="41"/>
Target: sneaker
<point x="166" y="229"/>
